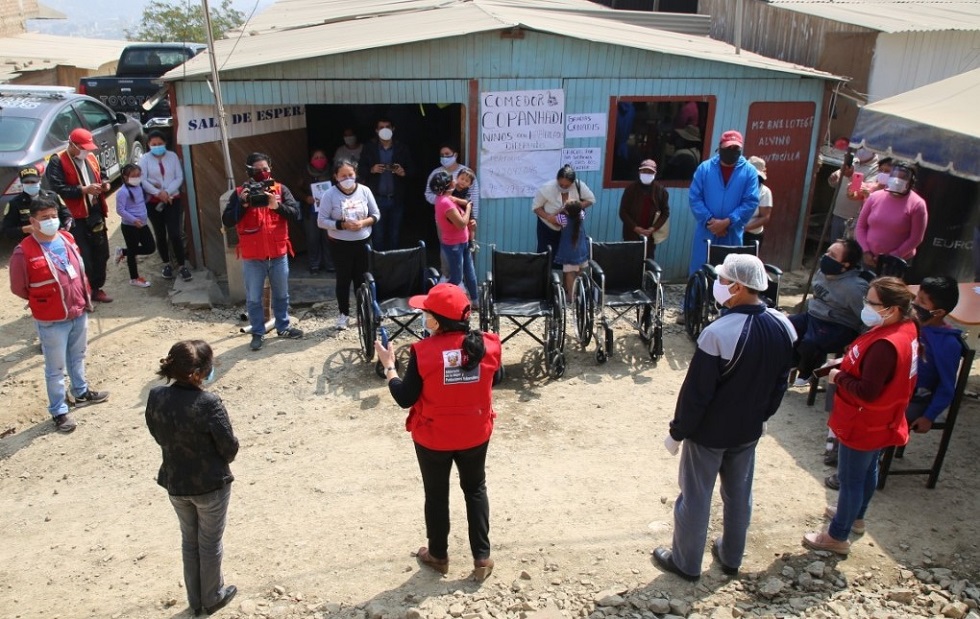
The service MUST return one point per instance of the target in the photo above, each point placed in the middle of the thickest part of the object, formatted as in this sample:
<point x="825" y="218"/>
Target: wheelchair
<point x="620" y="278"/>
<point x="392" y="277"/>
<point x="522" y="288"/>
<point x="700" y="308"/>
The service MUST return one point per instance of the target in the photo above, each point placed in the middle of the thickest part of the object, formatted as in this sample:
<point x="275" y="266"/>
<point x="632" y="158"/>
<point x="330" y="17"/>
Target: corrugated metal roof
<point x="892" y="16"/>
<point x="22" y="53"/>
<point x="344" y="26"/>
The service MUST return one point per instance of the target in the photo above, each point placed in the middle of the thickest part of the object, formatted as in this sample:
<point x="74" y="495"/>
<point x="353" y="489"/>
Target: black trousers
<point x="351" y="261"/>
<point x="94" y="247"/>
<point x="548" y="237"/>
<point x="169" y="230"/>
<point x="139" y="242"/>
<point x="435" y="467"/>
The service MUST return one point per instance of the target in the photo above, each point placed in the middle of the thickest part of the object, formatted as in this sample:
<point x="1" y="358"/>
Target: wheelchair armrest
<point x="369" y="279"/>
<point x="598" y="275"/>
<point x="555" y="279"/>
<point x="430" y="278"/>
<point x="773" y="270"/>
<point x="654" y="267"/>
<point x="711" y="270"/>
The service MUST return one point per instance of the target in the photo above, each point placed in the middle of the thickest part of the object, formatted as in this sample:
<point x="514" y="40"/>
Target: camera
<point x="255" y="192"/>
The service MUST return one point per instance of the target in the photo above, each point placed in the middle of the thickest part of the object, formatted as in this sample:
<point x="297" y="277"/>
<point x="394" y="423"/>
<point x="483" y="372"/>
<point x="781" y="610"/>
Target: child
<point x="573" y="245"/>
<point x="939" y="352"/>
<point x="131" y="207"/>
<point x="453" y="223"/>
<point x="461" y="196"/>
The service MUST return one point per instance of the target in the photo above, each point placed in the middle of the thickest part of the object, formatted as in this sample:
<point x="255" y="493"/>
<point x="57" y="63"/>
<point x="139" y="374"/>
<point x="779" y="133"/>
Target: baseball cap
<point x="745" y="269"/>
<point x="82" y="138"/>
<point x="732" y="138"/>
<point x="648" y="164"/>
<point x="446" y="300"/>
<point x="690" y="133"/>
<point x="29" y="173"/>
<point x="759" y="164"/>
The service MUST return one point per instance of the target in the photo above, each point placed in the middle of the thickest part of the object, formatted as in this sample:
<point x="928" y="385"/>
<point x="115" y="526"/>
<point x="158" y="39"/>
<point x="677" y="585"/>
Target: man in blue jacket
<point x="724" y="194"/>
<point x="939" y="352"/>
<point x="735" y="383"/>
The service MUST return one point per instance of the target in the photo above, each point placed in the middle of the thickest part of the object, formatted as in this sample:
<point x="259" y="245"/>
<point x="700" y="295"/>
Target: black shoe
<point x="832" y="482"/>
<point x="725" y="569"/>
<point x="65" y="423"/>
<point x="168" y="272"/>
<point x="91" y="397"/>
<point x="256" y="343"/>
<point x="290" y="333"/>
<point x="661" y="556"/>
<point x="226" y="596"/>
<point x="185" y="274"/>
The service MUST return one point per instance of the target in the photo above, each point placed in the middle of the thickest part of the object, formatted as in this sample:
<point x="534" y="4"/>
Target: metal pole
<point x="222" y="119"/>
<point x="738" y="27"/>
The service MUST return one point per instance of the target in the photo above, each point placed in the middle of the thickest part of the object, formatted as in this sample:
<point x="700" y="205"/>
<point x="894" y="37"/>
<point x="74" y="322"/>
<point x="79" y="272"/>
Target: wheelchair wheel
<point x="554" y="341"/>
<point x="486" y="307"/>
<point x="600" y="356"/>
<point x="610" y="341"/>
<point x="366" y="326"/>
<point x="584" y="311"/>
<point x="695" y="305"/>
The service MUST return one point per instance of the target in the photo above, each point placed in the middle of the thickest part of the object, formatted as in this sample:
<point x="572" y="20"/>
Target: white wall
<point x="907" y="60"/>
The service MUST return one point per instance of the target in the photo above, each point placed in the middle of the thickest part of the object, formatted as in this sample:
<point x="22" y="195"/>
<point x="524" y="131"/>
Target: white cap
<point x="745" y="269"/>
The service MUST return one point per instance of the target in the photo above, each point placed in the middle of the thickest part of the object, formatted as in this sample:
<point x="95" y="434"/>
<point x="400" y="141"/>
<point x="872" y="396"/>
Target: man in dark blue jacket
<point x="734" y="384"/>
<point x="385" y="166"/>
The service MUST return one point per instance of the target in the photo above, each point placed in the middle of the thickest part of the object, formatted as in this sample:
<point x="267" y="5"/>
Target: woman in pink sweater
<point x="893" y="222"/>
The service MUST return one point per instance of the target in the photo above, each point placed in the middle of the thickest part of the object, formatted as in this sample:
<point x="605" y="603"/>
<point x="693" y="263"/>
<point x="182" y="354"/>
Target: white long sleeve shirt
<point x="170" y="180"/>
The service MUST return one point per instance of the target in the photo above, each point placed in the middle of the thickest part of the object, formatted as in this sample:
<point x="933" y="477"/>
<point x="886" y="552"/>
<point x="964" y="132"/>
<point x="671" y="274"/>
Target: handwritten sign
<point x="522" y="120"/>
<point x="585" y="126"/>
<point x="516" y="175"/>
<point x="582" y="159"/>
<point x="199" y="123"/>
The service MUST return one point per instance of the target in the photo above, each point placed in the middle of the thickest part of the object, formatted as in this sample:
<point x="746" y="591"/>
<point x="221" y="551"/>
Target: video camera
<point x="256" y="192"/>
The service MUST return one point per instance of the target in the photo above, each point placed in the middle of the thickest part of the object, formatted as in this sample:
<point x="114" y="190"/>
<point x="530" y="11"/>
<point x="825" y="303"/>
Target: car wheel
<point x="137" y="151"/>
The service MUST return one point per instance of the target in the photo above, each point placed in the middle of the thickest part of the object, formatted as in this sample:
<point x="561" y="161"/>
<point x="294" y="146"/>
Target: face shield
<point x="900" y="181"/>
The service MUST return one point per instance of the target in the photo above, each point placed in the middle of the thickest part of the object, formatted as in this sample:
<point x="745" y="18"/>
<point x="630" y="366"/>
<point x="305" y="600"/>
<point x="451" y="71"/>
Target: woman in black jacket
<point x="194" y="433"/>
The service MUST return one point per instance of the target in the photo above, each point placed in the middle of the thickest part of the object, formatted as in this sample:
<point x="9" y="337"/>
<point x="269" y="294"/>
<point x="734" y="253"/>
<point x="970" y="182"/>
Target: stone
<point x="955" y="610"/>
<point x="723" y="612"/>
<point x="247" y="606"/>
<point x="376" y="610"/>
<point x="413" y="613"/>
<point x="816" y="568"/>
<point x="902" y="596"/>
<point x="279" y="589"/>
<point x="772" y="587"/>
<point x="548" y="612"/>
<point x="805" y="580"/>
<point x="525" y="575"/>
<point x="660" y="606"/>
<point x="680" y="606"/>
<point x="788" y="572"/>
<point x="457" y="610"/>
<point x="607" y="598"/>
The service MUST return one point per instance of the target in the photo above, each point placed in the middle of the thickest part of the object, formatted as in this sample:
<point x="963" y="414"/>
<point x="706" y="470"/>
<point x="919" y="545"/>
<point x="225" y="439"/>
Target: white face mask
<point x="426" y="317"/>
<point x="882" y="178"/>
<point x="133" y="181"/>
<point x="49" y="227"/>
<point x="385" y="134"/>
<point x="447" y="161"/>
<point x="350" y="140"/>
<point x="897" y="185"/>
<point x="863" y="154"/>
<point x="646" y="179"/>
<point x="721" y="292"/>
<point x="870" y="317"/>
<point x="348" y="183"/>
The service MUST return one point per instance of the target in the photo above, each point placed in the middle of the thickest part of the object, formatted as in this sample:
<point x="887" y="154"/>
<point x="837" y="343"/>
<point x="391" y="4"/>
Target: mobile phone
<point x="823" y="371"/>
<point x="384" y="337"/>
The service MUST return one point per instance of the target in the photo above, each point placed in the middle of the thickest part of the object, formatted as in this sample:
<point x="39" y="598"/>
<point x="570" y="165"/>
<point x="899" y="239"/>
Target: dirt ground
<point x="327" y="500"/>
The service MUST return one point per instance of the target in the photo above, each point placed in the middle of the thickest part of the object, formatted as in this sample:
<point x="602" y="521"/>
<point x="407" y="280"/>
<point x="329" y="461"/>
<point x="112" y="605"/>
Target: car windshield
<point x="16" y="132"/>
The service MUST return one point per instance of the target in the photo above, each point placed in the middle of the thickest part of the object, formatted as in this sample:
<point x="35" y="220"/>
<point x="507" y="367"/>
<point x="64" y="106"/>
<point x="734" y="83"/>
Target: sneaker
<point x="100" y="296"/>
<point x="857" y="528"/>
<point x="256" y="343"/>
<point x="139" y="282"/>
<point x="823" y="541"/>
<point x="800" y="383"/>
<point x="290" y="333"/>
<point x="185" y="274"/>
<point x="65" y="423"/>
<point x="832" y="481"/>
<point x="91" y="397"/>
<point x="168" y="272"/>
<point x="120" y="255"/>
<point x="342" y="320"/>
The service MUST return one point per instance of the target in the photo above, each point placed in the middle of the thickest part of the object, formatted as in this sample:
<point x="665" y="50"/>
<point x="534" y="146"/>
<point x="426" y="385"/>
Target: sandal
<point x="439" y="565"/>
<point x="482" y="568"/>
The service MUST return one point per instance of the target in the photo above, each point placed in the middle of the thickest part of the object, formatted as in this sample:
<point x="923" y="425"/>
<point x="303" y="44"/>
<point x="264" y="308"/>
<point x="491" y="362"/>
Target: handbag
<point x="659" y="236"/>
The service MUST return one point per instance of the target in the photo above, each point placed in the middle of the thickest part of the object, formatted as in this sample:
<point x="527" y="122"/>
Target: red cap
<point x="447" y="300"/>
<point x="732" y="138"/>
<point x="82" y="138"/>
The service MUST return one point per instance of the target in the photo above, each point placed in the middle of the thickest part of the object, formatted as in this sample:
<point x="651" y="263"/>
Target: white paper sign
<point x="582" y="159"/>
<point x="522" y="120"/>
<point x="585" y="125"/>
<point x="517" y="175"/>
<point x="317" y="190"/>
<point x="199" y="123"/>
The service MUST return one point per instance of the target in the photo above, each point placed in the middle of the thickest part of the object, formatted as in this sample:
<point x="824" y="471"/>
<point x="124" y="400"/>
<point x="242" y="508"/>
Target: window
<point x="669" y="130"/>
<point x="95" y="115"/>
<point x="64" y="123"/>
<point x="15" y="133"/>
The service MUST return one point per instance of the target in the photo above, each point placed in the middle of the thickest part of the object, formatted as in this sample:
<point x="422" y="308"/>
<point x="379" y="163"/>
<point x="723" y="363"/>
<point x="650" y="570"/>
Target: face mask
<point x="646" y="179"/>
<point x="262" y="175"/>
<point x="159" y="150"/>
<point x="829" y="266"/>
<point x="921" y="313"/>
<point x="348" y="183"/>
<point x="870" y="317"/>
<point x="49" y="227"/>
<point x="897" y="185"/>
<point x="32" y="189"/>
<point x="447" y="161"/>
<point x="350" y="140"/>
<point x="133" y="181"/>
<point x="425" y="323"/>
<point x="721" y="292"/>
<point x="863" y="154"/>
<point x="882" y="178"/>
<point x="385" y="134"/>
<point x="729" y="156"/>
<point x="210" y="376"/>
<point x="319" y="163"/>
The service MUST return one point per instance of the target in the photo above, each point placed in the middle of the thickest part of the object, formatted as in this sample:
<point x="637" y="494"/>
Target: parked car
<point x="35" y="122"/>
<point x="136" y="81"/>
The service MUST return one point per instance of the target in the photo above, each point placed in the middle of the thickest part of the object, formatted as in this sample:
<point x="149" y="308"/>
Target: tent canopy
<point x="936" y="126"/>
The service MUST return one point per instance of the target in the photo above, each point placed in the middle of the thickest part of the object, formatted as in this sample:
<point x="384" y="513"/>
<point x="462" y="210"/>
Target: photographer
<point x="258" y="209"/>
<point x="386" y="164"/>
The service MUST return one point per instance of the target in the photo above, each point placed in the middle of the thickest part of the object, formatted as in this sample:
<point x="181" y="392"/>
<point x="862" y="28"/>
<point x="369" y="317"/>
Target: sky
<point x="109" y="19"/>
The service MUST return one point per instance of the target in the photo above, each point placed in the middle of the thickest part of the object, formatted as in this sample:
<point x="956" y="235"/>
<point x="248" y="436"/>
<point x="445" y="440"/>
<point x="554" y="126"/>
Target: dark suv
<point x="34" y="125"/>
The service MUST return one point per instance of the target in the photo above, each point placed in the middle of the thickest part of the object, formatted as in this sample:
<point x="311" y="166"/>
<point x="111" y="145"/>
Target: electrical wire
<point x="241" y="33"/>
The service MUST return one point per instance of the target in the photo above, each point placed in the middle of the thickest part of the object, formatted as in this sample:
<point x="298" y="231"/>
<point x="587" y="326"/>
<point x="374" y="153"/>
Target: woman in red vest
<point x="448" y="384"/>
<point x="874" y="384"/>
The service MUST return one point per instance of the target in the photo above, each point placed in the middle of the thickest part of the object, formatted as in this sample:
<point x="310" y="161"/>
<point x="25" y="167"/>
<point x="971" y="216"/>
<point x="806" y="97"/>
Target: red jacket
<point x="454" y="410"/>
<point x="867" y="426"/>
<point x="79" y="206"/>
<point x="49" y="299"/>
<point x="263" y="233"/>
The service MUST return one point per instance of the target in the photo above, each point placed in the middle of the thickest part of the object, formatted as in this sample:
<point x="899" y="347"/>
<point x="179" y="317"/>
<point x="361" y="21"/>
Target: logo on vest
<point x="453" y="373"/>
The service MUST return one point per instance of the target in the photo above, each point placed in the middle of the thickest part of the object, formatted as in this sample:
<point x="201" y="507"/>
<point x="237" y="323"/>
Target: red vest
<point x="45" y="295"/>
<point x="263" y="233"/>
<point x="454" y="410"/>
<point x="79" y="206"/>
<point x="867" y="426"/>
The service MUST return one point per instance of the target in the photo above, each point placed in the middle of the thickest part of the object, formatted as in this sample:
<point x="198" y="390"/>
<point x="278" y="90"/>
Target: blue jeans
<point x="699" y="467"/>
<point x="461" y="267"/>
<point x="63" y="345"/>
<point x="385" y="232"/>
<point x="202" y="520"/>
<point x="817" y="338"/>
<point x="858" y="473"/>
<point x="277" y="270"/>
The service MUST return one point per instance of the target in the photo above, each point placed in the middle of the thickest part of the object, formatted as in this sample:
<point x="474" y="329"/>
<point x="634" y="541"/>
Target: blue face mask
<point x="210" y="377"/>
<point x="32" y="189"/>
<point x="159" y="150"/>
